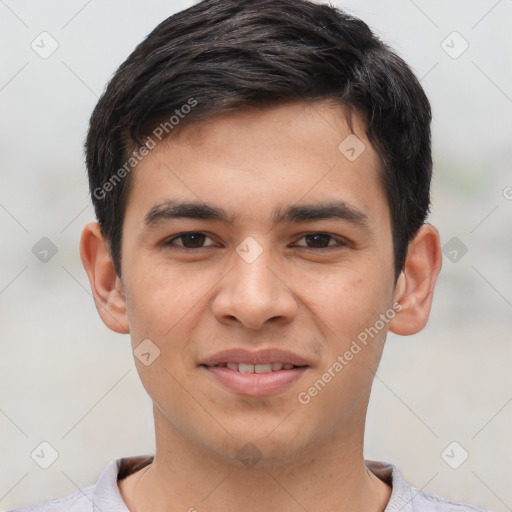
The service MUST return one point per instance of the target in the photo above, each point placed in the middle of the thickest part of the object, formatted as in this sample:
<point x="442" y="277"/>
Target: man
<point x="260" y="173"/>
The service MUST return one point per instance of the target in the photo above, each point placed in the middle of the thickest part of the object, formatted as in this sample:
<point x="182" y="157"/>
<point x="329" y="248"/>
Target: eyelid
<point x="340" y="241"/>
<point x="168" y="241"/>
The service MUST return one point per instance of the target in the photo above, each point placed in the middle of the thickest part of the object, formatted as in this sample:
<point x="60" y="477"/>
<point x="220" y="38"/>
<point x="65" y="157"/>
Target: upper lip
<point x="240" y="355"/>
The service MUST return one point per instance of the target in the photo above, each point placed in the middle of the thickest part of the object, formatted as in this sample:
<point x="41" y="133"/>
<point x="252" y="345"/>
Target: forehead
<point x="255" y="161"/>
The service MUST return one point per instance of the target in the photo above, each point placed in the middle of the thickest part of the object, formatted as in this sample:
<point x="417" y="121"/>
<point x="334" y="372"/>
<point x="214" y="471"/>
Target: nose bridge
<point x="252" y="293"/>
<point x="252" y="275"/>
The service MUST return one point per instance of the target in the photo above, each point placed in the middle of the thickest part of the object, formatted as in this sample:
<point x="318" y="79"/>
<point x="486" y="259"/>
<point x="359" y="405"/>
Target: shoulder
<point x="101" y="497"/>
<point x="432" y="503"/>
<point x="80" y="501"/>
<point x="406" y="498"/>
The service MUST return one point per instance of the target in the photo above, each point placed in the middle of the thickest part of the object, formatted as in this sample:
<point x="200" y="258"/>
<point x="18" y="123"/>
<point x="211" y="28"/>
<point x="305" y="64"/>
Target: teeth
<point x="257" y="368"/>
<point x="262" y="368"/>
<point x="246" y="368"/>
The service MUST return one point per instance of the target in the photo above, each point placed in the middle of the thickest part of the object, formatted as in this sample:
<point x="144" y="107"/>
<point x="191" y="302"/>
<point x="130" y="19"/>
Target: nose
<point x="253" y="294"/>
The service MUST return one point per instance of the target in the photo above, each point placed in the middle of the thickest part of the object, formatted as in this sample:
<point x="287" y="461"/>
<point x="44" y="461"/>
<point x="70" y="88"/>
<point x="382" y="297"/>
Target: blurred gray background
<point x="439" y="397"/>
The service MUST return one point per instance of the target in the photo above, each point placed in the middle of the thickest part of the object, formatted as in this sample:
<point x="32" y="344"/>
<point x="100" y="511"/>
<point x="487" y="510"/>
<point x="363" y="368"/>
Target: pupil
<point x="195" y="240"/>
<point x="319" y="239"/>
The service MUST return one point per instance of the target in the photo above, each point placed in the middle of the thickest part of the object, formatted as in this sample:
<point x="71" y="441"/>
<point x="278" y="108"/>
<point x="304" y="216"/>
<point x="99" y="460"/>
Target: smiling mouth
<point x="256" y="368"/>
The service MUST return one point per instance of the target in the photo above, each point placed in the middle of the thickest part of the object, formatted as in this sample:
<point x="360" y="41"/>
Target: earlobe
<point x="415" y="285"/>
<point x="106" y="287"/>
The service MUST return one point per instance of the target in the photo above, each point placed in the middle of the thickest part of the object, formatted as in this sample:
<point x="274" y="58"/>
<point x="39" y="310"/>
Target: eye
<point x="190" y="240"/>
<point x="320" y="241"/>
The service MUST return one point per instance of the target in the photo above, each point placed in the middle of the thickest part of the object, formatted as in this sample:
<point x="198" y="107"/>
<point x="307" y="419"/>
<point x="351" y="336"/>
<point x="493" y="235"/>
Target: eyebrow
<point x="174" y="209"/>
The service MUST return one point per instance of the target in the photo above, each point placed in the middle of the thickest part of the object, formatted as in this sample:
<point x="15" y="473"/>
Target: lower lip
<point x="255" y="384"/>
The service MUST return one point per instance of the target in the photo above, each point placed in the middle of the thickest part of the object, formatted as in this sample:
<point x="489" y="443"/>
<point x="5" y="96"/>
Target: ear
<point x="106" y="287"/>
<point x="415" y="286"/>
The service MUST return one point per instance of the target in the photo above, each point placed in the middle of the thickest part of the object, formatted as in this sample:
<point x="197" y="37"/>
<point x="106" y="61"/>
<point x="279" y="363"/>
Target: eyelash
<point x="339" y="242"/>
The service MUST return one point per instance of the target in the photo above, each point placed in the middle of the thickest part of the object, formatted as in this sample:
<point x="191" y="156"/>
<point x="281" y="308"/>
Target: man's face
<point x="273" y="275"/>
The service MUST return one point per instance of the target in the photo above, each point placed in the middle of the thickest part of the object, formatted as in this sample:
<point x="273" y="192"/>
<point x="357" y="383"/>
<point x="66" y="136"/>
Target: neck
<point x="184" y="476"/>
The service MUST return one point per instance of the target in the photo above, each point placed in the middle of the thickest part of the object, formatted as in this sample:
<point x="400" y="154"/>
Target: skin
<point x="311" y="302"/>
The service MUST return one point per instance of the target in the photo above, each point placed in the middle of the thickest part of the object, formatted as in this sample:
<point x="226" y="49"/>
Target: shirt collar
<point x="107" y="496"/>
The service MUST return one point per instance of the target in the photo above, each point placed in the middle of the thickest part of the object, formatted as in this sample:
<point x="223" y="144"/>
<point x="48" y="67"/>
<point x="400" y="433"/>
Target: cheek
<point x="161" y="303"/>
<point x="346" y="299"/>
<point x="347" y="307"/>
<point x="351" y="309"/>
<point x="161" y="296"/>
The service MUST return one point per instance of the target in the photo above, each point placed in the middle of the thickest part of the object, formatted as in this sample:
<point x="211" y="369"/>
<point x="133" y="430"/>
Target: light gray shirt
<point x="105" y="496"/>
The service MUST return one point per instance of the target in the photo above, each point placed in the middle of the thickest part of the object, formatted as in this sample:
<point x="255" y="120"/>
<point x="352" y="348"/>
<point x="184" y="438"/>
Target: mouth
<point x="255" y="374"/>
<point x="256" y="368"/>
